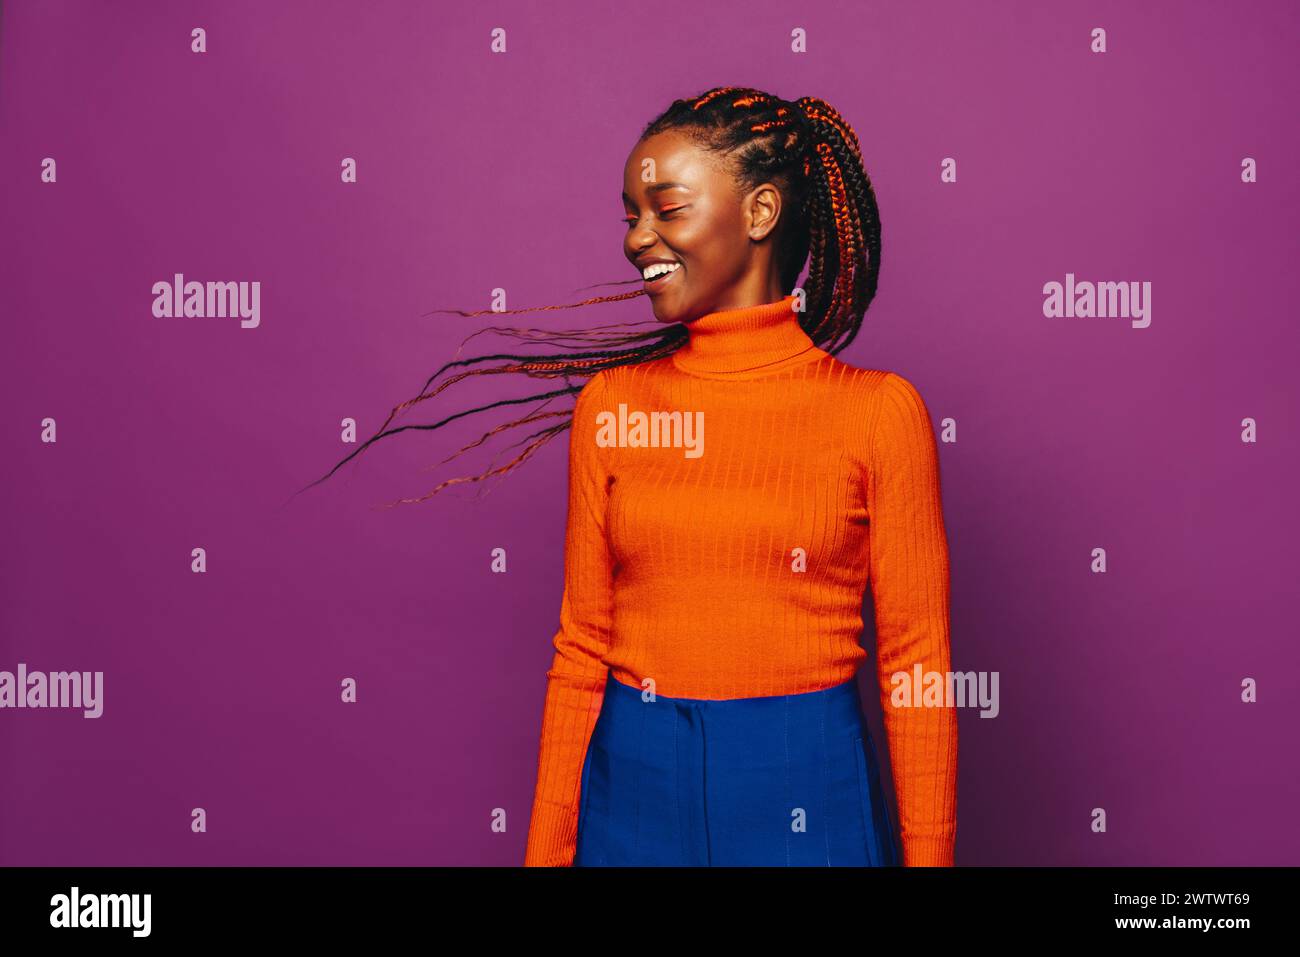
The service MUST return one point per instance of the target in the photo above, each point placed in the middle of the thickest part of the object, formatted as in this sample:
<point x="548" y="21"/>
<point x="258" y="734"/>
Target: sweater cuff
<point x="551" y="835"/>
<point x="928" y="851"/>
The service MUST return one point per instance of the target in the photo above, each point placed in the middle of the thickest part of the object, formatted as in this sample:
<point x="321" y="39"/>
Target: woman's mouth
<point x="658" y="275"/>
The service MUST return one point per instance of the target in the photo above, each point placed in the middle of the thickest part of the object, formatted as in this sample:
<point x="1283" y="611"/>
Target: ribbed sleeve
<point x="576" y="679"/>
<point x="910" y="585"/>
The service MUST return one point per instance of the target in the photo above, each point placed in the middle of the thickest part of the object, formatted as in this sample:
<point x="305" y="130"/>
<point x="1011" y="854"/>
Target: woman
<point x="733" y="488"/>
<point x="702" y="703"/>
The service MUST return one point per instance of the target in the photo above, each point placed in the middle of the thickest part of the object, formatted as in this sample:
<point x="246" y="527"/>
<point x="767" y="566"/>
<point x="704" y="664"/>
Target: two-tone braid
<point x="829" y="219"/>
<point x="845" y="261"/>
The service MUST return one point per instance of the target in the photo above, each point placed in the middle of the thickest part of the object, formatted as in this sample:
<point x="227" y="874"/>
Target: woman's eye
<point x="630" y="221"/>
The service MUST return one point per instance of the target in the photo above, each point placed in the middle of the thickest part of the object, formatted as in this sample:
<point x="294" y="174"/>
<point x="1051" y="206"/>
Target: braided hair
<point x="804" y="147"/>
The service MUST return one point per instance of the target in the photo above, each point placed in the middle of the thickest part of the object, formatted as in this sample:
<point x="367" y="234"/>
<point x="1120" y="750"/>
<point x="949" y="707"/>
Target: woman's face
<point x="685" y="212"/>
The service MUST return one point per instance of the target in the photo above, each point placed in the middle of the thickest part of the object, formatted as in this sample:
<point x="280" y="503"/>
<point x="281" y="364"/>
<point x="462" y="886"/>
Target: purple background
<point x="475" y="171"/>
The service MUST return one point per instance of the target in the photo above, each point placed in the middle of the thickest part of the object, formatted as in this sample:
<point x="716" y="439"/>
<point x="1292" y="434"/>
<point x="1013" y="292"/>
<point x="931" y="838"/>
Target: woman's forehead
<point x="676" y="159"/>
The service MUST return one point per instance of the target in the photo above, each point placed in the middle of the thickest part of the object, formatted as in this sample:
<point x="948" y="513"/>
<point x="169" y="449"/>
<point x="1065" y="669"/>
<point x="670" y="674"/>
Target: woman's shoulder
<point x="604" y="381"/>
<point x="887" y="403"/>
<point x="871" y="381"/>
<point x="623" y="379"/>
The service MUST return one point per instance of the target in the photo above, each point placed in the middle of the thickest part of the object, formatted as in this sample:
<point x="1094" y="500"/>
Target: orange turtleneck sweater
<point x="730" y="561"/>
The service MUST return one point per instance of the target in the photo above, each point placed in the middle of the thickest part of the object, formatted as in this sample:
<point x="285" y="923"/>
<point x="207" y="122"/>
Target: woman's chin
<point x="667" y="309"/>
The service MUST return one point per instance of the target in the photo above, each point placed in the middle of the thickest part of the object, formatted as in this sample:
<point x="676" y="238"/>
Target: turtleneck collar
<point x="748" y="340"/>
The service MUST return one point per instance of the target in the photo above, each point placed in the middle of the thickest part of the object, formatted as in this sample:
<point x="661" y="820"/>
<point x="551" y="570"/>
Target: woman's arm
<point x="576" y="680"/>
<point x="909" y="581"/>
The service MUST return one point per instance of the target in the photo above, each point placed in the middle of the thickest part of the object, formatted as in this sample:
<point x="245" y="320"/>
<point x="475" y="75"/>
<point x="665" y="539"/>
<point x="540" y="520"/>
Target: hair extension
<point x="829" y="219"/>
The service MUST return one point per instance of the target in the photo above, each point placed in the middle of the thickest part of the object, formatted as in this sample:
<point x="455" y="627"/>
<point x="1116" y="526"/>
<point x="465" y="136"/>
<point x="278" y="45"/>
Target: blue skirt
<point x="783" y="780"/>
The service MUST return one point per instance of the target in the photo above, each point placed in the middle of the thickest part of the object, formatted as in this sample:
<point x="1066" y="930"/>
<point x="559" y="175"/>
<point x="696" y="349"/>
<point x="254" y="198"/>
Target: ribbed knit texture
<point x="682" y="570"/>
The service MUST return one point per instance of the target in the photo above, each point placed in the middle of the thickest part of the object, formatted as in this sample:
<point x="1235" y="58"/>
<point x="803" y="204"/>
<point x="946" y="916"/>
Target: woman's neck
<point x="745" y="340"/>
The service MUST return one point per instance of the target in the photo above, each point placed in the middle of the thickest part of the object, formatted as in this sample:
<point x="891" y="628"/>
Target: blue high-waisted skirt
<point x="783" y="780"/>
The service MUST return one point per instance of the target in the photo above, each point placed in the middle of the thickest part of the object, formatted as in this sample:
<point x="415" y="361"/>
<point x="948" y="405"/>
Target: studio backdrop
<point x="238" y="235"/>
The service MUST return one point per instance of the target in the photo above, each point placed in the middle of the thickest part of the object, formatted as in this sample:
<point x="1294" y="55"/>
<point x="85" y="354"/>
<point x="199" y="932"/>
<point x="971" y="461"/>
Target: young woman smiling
<point x="702" y="705"/>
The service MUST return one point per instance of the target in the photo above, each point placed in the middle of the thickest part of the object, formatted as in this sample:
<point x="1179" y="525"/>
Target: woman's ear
<point x="763" y="207"/>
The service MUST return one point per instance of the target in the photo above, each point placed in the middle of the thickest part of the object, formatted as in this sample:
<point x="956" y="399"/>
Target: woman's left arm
<point x="909" y="581"/>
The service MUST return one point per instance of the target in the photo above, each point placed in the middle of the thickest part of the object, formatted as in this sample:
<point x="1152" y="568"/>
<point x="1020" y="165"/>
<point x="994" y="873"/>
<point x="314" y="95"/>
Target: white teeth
<point x="658" y="269"/>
